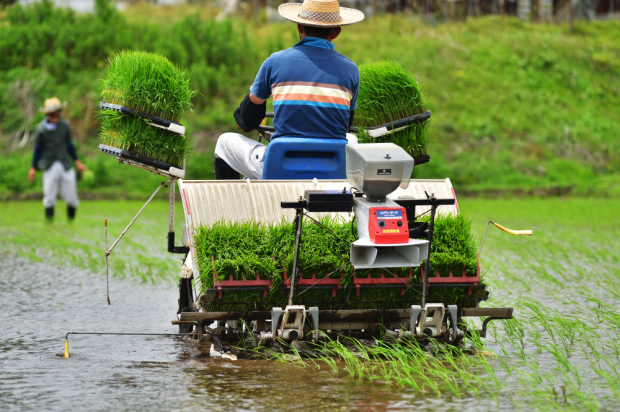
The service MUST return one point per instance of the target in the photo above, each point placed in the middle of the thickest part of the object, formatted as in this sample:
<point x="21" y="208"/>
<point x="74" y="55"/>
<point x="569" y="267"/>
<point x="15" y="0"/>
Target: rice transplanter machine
<point x="384" y="201"/>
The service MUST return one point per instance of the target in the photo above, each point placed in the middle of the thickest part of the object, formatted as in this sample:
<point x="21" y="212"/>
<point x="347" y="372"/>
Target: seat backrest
<point x="292" y="158"/>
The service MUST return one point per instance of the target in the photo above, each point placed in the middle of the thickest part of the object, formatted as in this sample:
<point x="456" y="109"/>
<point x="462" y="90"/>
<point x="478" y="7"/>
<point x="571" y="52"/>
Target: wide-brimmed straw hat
<point x="52" y="105"/>
<point x="320" y="13"/>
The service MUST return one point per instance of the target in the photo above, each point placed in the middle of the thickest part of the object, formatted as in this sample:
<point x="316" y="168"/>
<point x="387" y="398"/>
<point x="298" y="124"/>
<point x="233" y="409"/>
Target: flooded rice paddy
<point x="560" y="353"/>
<point x="40" y="303"/>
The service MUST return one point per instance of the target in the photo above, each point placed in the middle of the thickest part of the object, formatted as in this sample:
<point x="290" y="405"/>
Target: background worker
<point x="54" y="153"/>
<point x="314" y="89"/>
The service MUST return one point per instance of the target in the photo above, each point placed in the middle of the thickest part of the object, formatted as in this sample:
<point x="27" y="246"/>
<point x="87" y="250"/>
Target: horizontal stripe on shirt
<point x="310" y="103"/>
<point x="312" y="98"/>
<point x="313" y="84"/>
<point x="307" y="90"/>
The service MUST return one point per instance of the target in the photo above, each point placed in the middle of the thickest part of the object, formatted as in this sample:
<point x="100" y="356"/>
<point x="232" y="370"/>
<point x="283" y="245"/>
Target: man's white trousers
<point x="56" y="179"/>
<point x="245" y="155"/>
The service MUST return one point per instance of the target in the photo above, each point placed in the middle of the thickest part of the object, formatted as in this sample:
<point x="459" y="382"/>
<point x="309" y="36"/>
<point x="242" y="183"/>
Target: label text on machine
<point x="389" y="214"/>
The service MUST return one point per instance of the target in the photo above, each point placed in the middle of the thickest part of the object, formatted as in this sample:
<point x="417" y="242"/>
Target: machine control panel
<point x="388" y="225"/>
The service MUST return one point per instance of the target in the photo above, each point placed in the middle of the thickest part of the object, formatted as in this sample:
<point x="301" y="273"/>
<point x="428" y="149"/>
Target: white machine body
<point x="378" y="169"/>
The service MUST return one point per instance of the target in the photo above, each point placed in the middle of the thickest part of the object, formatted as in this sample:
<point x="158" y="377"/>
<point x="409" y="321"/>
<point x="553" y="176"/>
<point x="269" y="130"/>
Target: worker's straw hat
<point x="320" y="13"/>
<point x="52" y="105"/>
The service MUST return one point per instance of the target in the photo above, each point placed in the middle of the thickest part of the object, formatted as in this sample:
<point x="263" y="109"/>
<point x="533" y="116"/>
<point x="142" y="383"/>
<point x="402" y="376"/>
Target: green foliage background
<point x="517" y="107"/>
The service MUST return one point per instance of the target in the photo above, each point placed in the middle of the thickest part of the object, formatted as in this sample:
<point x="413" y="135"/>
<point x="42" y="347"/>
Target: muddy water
<point x="39" y="303"/>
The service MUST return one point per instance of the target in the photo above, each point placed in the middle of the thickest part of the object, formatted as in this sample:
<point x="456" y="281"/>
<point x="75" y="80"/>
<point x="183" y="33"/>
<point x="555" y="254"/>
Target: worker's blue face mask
<point x="49" y="126"/>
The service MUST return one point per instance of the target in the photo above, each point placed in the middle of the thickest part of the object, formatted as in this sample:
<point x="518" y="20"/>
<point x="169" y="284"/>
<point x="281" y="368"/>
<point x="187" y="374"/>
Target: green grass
<point x="388" y="92"/>
<point x="141" y="254"/>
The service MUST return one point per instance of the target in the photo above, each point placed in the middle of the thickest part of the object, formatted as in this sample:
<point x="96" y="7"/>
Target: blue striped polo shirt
<point x="314" y="89"/>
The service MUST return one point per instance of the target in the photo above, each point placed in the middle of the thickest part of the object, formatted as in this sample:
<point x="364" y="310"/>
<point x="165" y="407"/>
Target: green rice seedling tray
<point x="134" y="159"/>
<point x="143" y="98"/>
<point x="370" y="290"/>
<point x="371" y="297"/>
<point x="392" y="108"/>
<point x="154" y="121"/>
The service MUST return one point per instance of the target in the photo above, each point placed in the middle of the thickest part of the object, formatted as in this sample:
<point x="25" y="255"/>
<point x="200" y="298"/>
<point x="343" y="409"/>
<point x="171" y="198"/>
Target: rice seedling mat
<point x="395" y="126"/>
<point x="143" y="98"/>
<point x="134" y="159"/>
<point x="154" y="121"/>
<point x="392" y="108"/>
<point x="248" y="265"/>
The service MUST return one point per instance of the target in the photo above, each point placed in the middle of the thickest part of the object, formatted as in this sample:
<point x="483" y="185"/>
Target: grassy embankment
<point x="516" y="106"/>
<point x="559" y="353"/>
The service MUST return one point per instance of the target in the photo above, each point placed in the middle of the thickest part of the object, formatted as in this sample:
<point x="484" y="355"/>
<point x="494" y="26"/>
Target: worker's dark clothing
<point x="53" y="145"/>
<point x="54" y="154"/>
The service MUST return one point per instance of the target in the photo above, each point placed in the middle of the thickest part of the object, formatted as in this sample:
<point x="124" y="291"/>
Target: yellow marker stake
<point x="66" y="348"/>
<point x="511" y="231"/>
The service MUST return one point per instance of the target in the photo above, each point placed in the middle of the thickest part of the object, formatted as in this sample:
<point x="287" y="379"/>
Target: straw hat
<point x="320" y="13"/>
<point x="52" y="105"/>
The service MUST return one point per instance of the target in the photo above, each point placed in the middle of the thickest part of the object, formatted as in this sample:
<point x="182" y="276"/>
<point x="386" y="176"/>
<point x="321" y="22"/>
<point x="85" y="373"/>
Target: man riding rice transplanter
<point x="53" y="152"/>
<point x="314" y="90"/>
